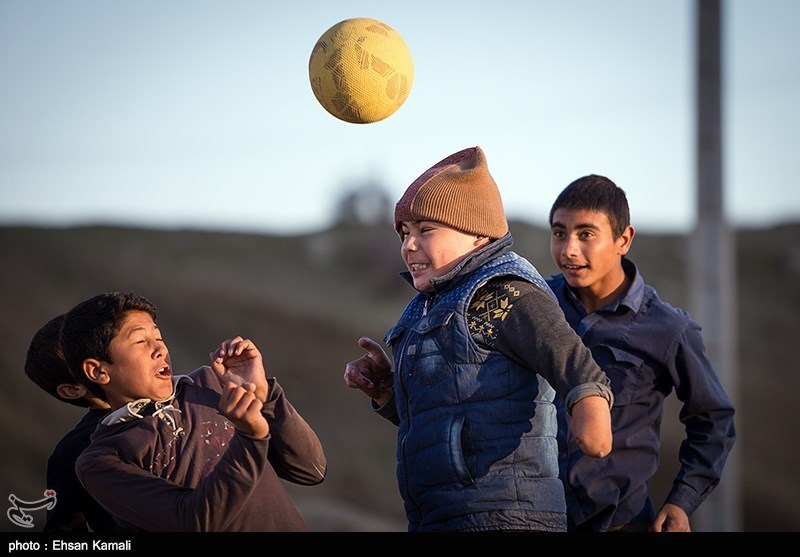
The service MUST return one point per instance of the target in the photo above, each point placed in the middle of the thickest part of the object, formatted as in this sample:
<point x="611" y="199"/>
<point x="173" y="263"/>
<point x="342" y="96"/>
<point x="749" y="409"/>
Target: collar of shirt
<point x="632" y="299"/>
<point x="473" y="261"/>
<point x="132" y="410"/>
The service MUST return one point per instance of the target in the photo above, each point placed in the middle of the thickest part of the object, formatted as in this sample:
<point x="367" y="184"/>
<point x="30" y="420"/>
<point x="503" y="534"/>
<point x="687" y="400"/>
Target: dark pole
<point x="712" y="258"/>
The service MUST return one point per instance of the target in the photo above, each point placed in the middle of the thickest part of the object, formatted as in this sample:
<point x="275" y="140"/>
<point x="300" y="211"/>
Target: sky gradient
<point x="199" y="114"/>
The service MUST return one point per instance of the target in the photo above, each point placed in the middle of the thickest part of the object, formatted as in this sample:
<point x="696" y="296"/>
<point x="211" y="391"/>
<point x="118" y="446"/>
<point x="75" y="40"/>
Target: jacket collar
<point x="466" y="267"/>
<point x="137" y="409"/>
<point x="631" y="299"/>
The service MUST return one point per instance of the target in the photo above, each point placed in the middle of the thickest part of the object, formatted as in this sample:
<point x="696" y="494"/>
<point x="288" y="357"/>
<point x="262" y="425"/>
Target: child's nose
<point x="570" y="246"/>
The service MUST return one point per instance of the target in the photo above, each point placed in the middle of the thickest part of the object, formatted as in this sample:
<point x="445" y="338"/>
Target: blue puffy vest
<point x="476" y="445"/>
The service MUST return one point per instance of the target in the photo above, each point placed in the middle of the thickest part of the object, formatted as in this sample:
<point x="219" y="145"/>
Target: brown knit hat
<point x="457" y="191"/>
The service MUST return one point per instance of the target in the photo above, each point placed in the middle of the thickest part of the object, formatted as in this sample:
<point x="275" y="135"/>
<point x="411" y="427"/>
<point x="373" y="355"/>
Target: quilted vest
<point x="476" y="445"/>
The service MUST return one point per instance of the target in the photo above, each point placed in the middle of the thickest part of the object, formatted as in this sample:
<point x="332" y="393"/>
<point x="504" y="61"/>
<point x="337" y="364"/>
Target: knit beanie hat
<point x="457" y="191"/>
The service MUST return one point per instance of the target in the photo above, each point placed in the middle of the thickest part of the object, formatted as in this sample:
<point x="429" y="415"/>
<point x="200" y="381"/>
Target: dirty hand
<point x="372" y="372"/>
<point x="238" y="361"/>
<point x="241" y="406"/>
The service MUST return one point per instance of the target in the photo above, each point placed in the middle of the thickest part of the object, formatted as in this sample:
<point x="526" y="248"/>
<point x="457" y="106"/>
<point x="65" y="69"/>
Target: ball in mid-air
<point x="361" y="70"/>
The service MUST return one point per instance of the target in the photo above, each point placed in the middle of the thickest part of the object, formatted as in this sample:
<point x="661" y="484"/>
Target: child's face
<point x="432" y="249"/>
<point x="141" y="367"/>
<point x="585" y="251"/>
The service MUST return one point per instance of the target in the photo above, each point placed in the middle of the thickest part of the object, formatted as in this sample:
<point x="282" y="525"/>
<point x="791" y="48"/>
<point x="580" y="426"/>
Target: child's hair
<point x="89" y="328"/>
<point x="45" y="365"/>
<point x="596" y="193"/>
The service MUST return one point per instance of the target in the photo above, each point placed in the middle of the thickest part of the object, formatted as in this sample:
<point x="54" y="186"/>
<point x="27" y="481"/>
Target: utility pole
<point x="712" y="258"/>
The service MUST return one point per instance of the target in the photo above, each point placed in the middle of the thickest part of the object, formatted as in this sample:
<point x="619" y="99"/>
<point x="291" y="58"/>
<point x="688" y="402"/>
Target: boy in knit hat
<point x="479" y="353"/>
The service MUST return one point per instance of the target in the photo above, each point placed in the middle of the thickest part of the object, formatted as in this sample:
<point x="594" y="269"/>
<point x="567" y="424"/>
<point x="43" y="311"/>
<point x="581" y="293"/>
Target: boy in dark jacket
<point x="479" y="353"/>
<point x="75" y="510"/>
<point x="199" y="452"/>
<point x="648" y="349"/>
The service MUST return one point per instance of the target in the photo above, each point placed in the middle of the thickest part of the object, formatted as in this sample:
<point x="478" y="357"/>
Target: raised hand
<point x="372" y="372"/>
<point x="241" y="406"/>
<point x="238" y="361"/>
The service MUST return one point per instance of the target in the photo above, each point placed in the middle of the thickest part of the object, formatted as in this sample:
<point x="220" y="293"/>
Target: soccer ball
<point x="361" y="70"/>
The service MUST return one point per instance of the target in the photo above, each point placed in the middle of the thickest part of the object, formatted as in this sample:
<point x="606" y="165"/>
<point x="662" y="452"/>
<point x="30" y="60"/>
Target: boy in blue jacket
<point x="478" y="355"/>
<point x="648" y="349"/>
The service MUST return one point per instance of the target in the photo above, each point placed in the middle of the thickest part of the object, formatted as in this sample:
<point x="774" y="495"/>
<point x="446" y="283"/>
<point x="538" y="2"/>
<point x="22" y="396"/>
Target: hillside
<point x="306" y="299"/>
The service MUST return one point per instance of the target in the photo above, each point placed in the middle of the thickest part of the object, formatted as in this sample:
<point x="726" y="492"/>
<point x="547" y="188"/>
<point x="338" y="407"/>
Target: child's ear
<point x="71" y="391"/>
<point x="626" y="239"/>
<point x="93" y="369"/>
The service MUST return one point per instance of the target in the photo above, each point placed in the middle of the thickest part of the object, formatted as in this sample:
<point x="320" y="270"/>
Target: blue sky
<point x="199" y="114"/>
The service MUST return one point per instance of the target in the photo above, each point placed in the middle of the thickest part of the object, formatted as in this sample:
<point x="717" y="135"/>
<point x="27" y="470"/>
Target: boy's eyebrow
<point x="140" y="328"/>
<point x="578" y="226"/>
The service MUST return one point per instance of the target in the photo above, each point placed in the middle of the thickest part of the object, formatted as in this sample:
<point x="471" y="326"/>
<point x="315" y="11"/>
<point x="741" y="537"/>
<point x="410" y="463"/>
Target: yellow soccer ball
<point x="361" y="70"/>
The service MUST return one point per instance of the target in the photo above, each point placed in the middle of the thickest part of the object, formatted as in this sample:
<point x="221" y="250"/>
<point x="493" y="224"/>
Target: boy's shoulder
<point x="204" y="377"/>
<point x="77" y="439"/>
<point x="657" y="308"/>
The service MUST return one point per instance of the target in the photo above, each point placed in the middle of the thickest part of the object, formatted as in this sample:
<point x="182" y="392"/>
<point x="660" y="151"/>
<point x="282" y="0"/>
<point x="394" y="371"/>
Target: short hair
<point x="44" y="362"/>
<point x="596" y="193"/>
<point x="90" y="326"/>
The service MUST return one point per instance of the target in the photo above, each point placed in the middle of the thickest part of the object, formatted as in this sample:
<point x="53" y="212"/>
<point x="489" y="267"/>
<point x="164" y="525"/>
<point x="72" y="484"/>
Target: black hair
<point x="596" y="193"/>
<point x="44" y="362"/>
<point x="90" y="326"/>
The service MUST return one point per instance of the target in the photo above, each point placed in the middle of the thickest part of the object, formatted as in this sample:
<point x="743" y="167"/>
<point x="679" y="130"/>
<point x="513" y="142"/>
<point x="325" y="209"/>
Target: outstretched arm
<point x="295" y="451"/>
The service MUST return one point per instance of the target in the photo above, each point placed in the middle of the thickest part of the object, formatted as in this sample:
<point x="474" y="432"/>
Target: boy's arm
<point x="708" y="418"/>
<point x="372" y="373"/>
<point x="137" y="497"/>
<point x="295" y="451"/>
<point x="535" y="333"/>
<point x="590" y="424"/>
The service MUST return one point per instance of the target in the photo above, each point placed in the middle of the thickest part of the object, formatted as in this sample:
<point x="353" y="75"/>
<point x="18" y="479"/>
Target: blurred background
<point x="176" y="149"/>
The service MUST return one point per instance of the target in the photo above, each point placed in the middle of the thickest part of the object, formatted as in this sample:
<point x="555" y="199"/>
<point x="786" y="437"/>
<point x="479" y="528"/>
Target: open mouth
<point x="164" y="372"/>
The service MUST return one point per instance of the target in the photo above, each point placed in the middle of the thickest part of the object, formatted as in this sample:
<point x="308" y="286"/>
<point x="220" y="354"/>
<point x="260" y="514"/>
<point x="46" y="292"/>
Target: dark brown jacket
<point x="180" y="465"/>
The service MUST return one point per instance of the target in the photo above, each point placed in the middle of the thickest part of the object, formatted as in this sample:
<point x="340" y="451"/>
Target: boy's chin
<point x="423" y="285"/>
<point x="576" y="282"/>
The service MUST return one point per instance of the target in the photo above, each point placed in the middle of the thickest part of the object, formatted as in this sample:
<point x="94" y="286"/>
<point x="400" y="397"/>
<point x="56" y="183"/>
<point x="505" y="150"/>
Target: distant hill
<point x="306" y="299"/>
